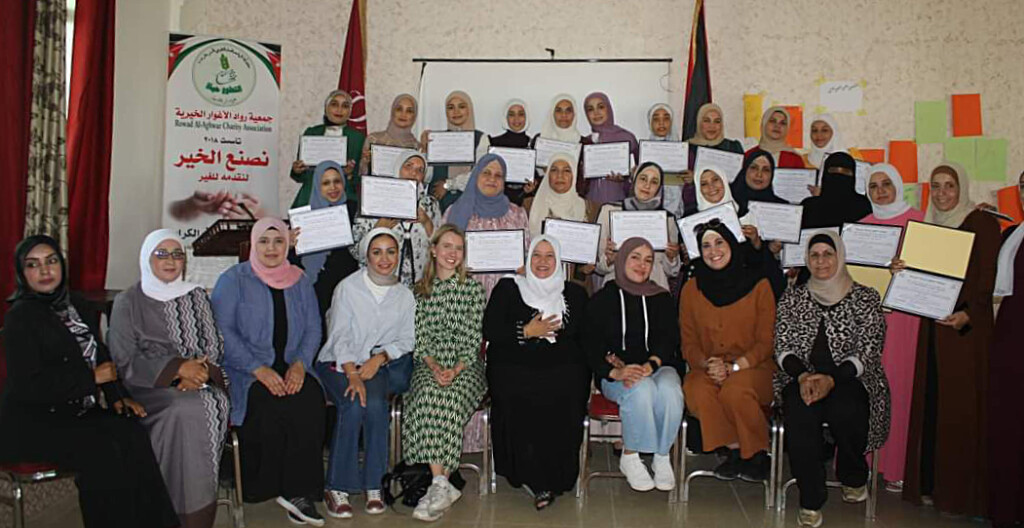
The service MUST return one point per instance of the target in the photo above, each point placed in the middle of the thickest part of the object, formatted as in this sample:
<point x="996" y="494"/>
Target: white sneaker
<point x="422" y="511"/>
<point x="664" y="476"/>
<point x="809" y="518"/>
<point x="453" y="494"/>
<point x="855" y="495"/>
<point x="636" y="472"/>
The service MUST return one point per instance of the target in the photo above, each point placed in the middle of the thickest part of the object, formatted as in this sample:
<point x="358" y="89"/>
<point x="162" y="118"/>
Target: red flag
<point x="353" y="65"/>
<point x="698" y="77"/>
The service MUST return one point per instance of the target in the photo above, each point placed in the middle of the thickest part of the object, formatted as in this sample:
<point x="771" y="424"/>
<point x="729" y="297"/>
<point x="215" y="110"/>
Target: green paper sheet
<point x="962" y="150"/>
<point x="991" y="160"/>
<point x="930" y="121"/>
<point x="912" y="195"/>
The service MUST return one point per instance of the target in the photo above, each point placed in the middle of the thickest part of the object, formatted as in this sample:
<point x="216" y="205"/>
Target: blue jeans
<point x="651" y="410"/>
<point x="343" y="471"/>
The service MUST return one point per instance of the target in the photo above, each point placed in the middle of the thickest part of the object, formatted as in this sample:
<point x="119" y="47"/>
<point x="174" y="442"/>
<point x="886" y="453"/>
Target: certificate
<point x="725" y="213"/>
<point x="315" y="149"/>
<point x="520" y="163"/>
<point x="937" y="249"/>
<point x="877" y="278"/>
<point x="451" y="147"/>
<point x="578" y="240"/>
<point x="729" y="162"/>
<point x="651" y="225"/>
<point x="491" y="251"/>
<point x="777" y="221"/>
<point x="605" y="159"/>
<point x="795" y="255"/>
<point x="388" y="198"/>
<point x="549" y="147"/>
<point x="671" y="156"/>
<point x="791" y="184"/>
<point x="871" y="245"/>
<point x="862" y="175"/>
<point x="382" y="159"/>
<point x="322" y="229"/>
<point x="923" y="294"/>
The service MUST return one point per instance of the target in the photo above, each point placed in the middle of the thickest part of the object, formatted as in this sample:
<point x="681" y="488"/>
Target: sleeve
<point x="364" y="157"/>
<point x="339" y="333"/>
<point x="664" y="343"/>
<point x="406" y="332"/>
<point x="224" y="300"/>
<point x="603" y="218"/>
<point x="354" y="151"/>
<point x="793" y="366"/>
<point x="764" y="325"/>
<point x="593" y="339"/>
<point x="785" y="340"/>
<point x="472" y="323"/>
<point x="870" y="327"/>
<point x="500" y="326"/>
<point x="981" y="270"/>
<point x="693" y="350"/>
<point x="671" y="267"/>
<point x="145" y="370"/>
<point x="305" y="175"/>
<point x="313" y="331"/>
<point x="26" y="371"/>
<point x="483" y="146"/>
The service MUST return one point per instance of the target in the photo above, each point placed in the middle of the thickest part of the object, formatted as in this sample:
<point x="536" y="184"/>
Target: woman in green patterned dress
<point x="448" y="378"/>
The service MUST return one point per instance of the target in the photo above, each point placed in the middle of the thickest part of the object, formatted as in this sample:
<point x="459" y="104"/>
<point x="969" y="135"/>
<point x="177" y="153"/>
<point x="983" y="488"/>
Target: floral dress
<point x="414" y="237"/>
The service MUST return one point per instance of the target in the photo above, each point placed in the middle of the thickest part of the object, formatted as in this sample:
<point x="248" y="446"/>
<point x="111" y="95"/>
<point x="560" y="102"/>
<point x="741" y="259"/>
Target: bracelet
<point x="654" y="365"/>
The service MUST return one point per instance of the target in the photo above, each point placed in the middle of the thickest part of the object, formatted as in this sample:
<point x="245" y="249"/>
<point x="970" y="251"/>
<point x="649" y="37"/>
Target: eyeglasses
<point x="163" y="254"/>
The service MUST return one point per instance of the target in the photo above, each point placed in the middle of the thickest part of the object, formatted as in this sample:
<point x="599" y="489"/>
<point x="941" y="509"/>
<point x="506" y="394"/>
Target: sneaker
<point x="636" y="472"/>
<point x="855" y="495"/>
<point x="436" y="502"/>
<point x="895" y="486"/>
<point x="301" y="509"/>
<point x="729" y="469"/>
<point x="453" y="493"/>
<point x="664" y="476"/>
<point x="809" y="518"/>
<point x="374" y="504"/>
<point x="422" y="511"/>
<point x="337" y="504"/>
<point x="756" y="468"/>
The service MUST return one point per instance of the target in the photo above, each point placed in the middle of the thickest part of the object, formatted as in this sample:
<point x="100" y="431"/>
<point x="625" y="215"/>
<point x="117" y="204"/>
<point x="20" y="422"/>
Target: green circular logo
<point x="223" y="73"/>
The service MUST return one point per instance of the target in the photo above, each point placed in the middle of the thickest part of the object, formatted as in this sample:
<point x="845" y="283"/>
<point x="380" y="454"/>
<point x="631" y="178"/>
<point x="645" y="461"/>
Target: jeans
<point x="343" y="471"/>
<point x="651" y="410"/>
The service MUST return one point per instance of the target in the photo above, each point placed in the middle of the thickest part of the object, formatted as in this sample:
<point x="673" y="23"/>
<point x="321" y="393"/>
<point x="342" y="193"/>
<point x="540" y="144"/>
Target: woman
<point x="537" y="374"/>
<point x="397" y="134"/>
<point x="560" y="124"/>
<point x="266" y="309"/>
<point x="828" y="344"/>
<point x="730" y="384"/>
<point x="659" y="120"/>
<point x="885" y="190"/>
<point x="366" y="359"/>
<point x="614" y="187"/>
<point x="413" y="235"/>
<point x="754" y="184"/>
<point x="450" y="181"/>
<point x="947" y="456"/>
<point x="337" y="109"/>
<point x="50" y="411"/>
<point x="839" y="202"/>
<point x="556" y="196"/>
<point x="645" y="195"/>
<point x="1006" y="434"/>
<point x="632" y="346"/>
<point x="710" y="133"/>
<point x="448" y="376"/>
<point x="774" y="129"/>
<point x="825" y="139"/>
<point x="516" y="122"/>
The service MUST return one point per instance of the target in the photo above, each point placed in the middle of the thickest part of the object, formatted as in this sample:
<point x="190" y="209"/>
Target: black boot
<point x="729" y="469"/>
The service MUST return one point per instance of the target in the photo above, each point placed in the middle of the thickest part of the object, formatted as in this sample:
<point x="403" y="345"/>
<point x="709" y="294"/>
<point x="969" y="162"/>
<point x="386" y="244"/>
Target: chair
<point x="233" y="485"/>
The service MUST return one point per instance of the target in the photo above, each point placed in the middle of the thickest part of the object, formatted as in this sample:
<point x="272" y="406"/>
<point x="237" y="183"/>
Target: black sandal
<point x="543" y="500"/>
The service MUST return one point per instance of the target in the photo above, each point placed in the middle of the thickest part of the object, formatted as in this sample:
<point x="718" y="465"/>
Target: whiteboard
<point x="632" y="87"/>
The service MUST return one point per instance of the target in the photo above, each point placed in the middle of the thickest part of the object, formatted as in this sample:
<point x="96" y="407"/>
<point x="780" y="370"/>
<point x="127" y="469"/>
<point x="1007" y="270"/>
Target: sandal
<point x="543" y="500"/>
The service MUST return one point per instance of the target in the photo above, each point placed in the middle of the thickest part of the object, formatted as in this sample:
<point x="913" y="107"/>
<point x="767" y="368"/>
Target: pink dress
<point x="898" y="361"/>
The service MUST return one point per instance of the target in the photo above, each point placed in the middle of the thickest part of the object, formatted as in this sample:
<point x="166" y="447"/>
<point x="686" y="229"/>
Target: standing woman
<point x="448" y="374"/>
<point x="825" y="139"/>
<point x="754" y="184"/>
<point x="947" y="456"/>
<point x="267" y="311"/>
<point x="560" y="124"/>
<point x="710" y="133"/>
<point x="660" y="120"/>
<point x="774" y="129"/>
<point x="556" y="196"/>
<point x="397" y="134"/>
<point x="337" y="109"/>
<point x="615" y="187"/>
<point x="839" y="201"/>
<point x="166" y="345"/>
<point x="450" y="181"/>
<point x="50" y="409"/>
<point x="516" y="122"/>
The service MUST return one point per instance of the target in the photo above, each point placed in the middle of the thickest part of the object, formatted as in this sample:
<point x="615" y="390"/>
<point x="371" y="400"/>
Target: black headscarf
<point x="731" y="283"/>
<point x="58" y="298"/>
<point x="839" y="202"/>
<point x="742" y="194"/>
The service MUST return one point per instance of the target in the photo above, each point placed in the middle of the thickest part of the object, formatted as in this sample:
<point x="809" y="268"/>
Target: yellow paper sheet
<point x="752" y="109"/>
<point x="877" y="278"/>
<point x="937" y="249"/>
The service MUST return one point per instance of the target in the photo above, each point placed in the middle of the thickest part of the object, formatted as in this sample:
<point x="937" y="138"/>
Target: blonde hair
<point x="425" y="286"/>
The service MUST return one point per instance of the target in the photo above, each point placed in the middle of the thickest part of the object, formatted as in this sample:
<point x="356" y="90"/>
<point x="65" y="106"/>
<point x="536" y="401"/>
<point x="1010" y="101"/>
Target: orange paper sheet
<point x="795" y="138"/>
<point x="1009" y="204"/>
<point x="903" y="156"/>
<point x="873" y="155"/>
<point x="926" y="196"/>
<point x="966" y="115"/>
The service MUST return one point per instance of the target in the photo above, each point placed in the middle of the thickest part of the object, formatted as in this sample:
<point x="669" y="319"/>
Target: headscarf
<point x="609" y="132"/>
<point x="544" y="295"/>
<point x="396" y="171"/>
<point x="314" y="262"/>
<point x="327" y="102"/>
<point x="671" y="115"/>
<point x="364" y="252"/>
<point x="550" y="204"/>
<point x="832" y="290"/>
<point x="731" y="283"/>
<point x="632" y="203"/>
<point x="622" y="280"/>
<point x="772" y="145"/>
<point x="279" y="277"/>
<point x="702" y="202"/>
<point x="898" y="206"/>
<point x="526" y="110"/>
<point x="473" y="202"/>
<point x="741" y="191"/>
<point x="700" y="140"/>
<point x="550" y="130"/>
<point x="402" y="135"/>
<point x="470" y="123"/>
<point x="1005" y="262"/>
<point x="836" y="144"/>
<point x="955" y="216"/>
<point x="58" y="299"/>
<point x="839" y="201"/>
<point x="152" y="286"/>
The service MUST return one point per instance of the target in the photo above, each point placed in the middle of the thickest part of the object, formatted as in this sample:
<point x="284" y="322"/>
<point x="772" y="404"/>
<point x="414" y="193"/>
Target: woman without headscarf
<point x="632" y="345"/>
<point x="538" y="377"/>
<point x="774" y="129"/>
<point x="951" y="373"/>
<point x="829" y="334"/>
<point x="267" y="311"/>
<point x="450" y="181"/>
<point x="337" y="110"/>
<point x="615" y="187"/>
<point x="517" y="120"/>
<point x="366" y="359"/>
<point x="50" y="410"/>
<point x="730" y="383"/>
<point x="839" y="202"/>
<point x="397" y="134"/>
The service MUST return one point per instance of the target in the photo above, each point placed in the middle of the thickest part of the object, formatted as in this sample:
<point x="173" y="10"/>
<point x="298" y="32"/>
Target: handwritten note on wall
<point x="841" y="96"/>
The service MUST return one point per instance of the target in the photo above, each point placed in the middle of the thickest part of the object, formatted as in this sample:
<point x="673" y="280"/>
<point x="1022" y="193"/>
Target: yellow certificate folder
<point x="877" y="278"/>
<point x="937" y="249"/>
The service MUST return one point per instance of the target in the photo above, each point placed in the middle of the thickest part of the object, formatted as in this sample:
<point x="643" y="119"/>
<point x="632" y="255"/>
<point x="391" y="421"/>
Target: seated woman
<point x="448" y="374"/>
<point x="337" y="110"/>
<point x="829" y="334"/>
<point x="631" y="344"/>
<point x="267" y="311"/>
<point x="397" y="134"/>
<point x="50" y="411"/>
<point x="366" y="358"/>
<point x="537" y="374"/>
<point x="730" y="381"/>
<point x="168" y="350"/>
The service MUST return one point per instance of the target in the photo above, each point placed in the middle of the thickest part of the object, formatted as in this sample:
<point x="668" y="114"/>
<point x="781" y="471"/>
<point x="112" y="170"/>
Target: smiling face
<point x="404" y="112"/>
<point x="413" y="169"/>
<point x="880" y="189"/>
<point x="821" y="133"/>
<point x="167" y="261"/>
<point x="272" y="248"/>
<point x="661" y="122"/>
<point x="648" y="182"/>
<point x="777" y="126"/>
<point x="564" y="113"/>
<point x="560" y="176"/>
<point x="542" y="261"/>
<point x="338" y="110"/>
<point x="945" y="191"/>
<point x="382" y="255"/>
<point x="491" y="181"/>
<point x="715" y="250"/>
<point x="639" y="264"/>
<point x="759" y="174"/>
<point x="597" y="111"/>
<point x="822" y="261"/>
<point x="332" y="185"/>
<point x="42" y="269"/>
<point x="711" y="124"/>
<point x="712" y="187"/>
<point x="457" y="110"/>
<point x="448" y="253"/>
<point x="516" y="118"/>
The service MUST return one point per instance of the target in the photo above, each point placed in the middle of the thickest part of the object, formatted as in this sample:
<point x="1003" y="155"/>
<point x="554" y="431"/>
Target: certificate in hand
<point x="322" y="229"/>
<point x="315" y="149"/>
<point x="791" y="184"/>
<point x="725" y="214"/>
<point x="521" y="163"/>
<point x="652" y="225"/>
<point x="451" y="147"/>
<point x="922" y="294"/>
<point x="794" y="255"/>
<point x="492" y="251"/>
<point x="579" y="241"/>
<point x="729" y="162"/>
<point x="382" y="159"/>
<point x="937" y="249"/>
<point x="549" y="147"/>
<point x="777" y="221"/>
<point x="871" y="245"/>
<point x="605" y="159"/>
<point x="671" y="156"/>
<point x="388" y="198"/>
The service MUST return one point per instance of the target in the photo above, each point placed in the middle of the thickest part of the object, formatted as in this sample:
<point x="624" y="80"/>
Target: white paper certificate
<point x="923" y="294"/>
<point x="791" y="184"/>
<point x="388" y="198"/>
<point x="521" y="163"/>
<point x="382" y="159"/>
<point x="652" y="225"/>
<point x="863" y="168"/>
<point x="671" y="156"/>
<point x="451" y="147"/>
<point x="578" y="240"/>
<point x="871" y="245"/>
<point x="777" y="221"/>
<point x="549" y="147"/>
<point x="794" y="255"/>
<point x="605" y="158"/>
<point x="322" y="229"/>
<point x="490" y="251"/>
<point x="315" y="149"/>
<point x="724" y="213"/>
<point x="730" y="162"/>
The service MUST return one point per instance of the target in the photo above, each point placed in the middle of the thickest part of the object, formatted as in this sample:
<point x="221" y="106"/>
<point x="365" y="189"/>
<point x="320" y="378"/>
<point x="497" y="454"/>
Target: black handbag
<point x="409" y="482"/>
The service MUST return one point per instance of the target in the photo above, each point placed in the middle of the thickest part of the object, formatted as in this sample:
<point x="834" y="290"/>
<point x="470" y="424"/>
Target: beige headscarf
<point x="470" y="123"/>
<point x="699" y="139"/>
<point x="402" y="136"/>
<point x="549" y="204"/>
<point x="772" y="145"/>
<point x="955" y="216"/>
<point x="832" y="290"/>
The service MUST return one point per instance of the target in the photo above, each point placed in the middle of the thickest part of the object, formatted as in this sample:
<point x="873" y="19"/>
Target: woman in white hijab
<point x="556" y="196"/>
